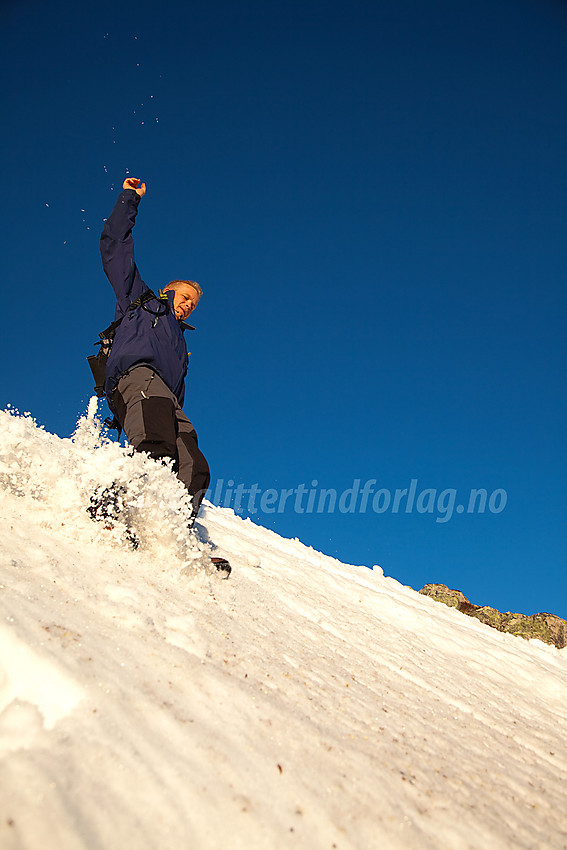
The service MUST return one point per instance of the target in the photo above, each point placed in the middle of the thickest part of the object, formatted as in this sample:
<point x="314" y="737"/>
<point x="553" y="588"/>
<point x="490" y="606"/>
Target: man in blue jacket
<point x="147" y="365"/>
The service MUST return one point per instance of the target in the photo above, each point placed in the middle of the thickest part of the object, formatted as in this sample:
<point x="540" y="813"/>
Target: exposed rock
<point x="441" y="593"/>
<point x="545" y="627"/>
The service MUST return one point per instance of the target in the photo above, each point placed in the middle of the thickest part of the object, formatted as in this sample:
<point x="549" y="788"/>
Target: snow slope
<point x="304" y="703"/>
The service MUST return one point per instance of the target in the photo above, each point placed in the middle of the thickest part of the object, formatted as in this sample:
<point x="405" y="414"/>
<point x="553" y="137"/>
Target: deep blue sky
<point x="373" y="196"/>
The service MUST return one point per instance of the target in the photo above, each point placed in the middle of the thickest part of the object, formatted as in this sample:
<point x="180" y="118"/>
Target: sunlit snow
<point x="303" y="703"/>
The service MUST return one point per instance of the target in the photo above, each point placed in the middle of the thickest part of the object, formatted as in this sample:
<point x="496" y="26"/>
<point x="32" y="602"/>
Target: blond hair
<point x="175" y="284"/>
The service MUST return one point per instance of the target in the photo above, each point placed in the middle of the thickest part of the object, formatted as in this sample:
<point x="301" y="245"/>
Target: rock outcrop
<point x="545" y="627"/>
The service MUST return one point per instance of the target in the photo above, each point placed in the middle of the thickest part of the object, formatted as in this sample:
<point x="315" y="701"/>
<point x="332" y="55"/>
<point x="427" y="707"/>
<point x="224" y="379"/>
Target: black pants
<point x="153" y="421"/>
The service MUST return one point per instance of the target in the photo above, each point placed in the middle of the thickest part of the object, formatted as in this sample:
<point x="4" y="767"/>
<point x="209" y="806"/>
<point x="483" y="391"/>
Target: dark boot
<point x="108" y="505"/>
<point x="222" y="566"/>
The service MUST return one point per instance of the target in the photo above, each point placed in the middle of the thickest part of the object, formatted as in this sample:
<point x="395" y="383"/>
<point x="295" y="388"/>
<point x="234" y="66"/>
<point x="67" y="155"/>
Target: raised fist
<point x="135" y="183"/>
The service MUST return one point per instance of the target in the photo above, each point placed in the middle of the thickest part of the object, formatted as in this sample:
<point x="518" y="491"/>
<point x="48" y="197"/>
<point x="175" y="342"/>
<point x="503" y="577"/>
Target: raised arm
<point x="117" y="244"/>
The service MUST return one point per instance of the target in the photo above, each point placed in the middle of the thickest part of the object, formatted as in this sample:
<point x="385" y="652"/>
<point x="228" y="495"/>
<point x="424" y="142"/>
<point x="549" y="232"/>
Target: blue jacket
<point x="142" y="338"/>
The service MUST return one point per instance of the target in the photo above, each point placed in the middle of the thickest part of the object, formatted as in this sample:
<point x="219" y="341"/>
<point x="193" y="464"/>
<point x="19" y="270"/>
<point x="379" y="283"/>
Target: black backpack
<point x="98" y="361"/>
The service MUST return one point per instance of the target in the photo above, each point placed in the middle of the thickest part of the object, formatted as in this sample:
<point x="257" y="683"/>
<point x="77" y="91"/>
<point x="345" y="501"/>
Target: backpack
<point x="98" y="361"/>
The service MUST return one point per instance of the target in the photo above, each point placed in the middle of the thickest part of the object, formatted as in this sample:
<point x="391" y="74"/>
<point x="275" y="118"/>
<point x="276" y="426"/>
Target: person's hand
<point x="134" y="183"/>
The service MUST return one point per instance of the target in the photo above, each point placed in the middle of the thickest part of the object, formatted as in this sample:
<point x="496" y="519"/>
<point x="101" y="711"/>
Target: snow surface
<point x="303" y="703"/>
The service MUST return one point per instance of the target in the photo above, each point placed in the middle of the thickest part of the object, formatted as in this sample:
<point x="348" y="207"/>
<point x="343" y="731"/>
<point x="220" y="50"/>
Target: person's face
<point x="185" y="299"/>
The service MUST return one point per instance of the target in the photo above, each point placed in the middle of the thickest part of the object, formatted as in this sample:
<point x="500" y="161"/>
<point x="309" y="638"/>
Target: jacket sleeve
<point x="117" y="250"/>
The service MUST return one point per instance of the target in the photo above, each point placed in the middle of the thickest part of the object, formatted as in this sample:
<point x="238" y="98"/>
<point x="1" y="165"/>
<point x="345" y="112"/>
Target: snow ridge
<point x="303" y="703"/>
